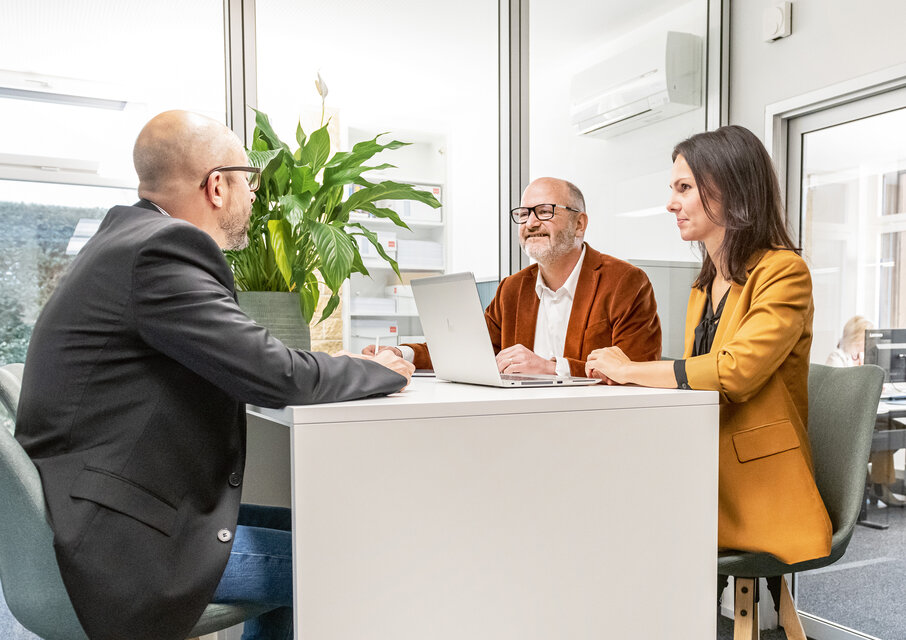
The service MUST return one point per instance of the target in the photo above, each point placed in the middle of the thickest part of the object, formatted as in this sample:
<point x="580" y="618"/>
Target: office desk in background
<point x="456" y="511"/>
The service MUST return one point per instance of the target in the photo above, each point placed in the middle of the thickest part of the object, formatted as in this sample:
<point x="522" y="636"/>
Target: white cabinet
<point x="379" y="308"/>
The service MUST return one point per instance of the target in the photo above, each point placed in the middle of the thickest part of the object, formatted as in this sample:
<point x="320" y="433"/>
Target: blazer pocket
<point x="124" y="496"/>
<point x="765" y="440"/>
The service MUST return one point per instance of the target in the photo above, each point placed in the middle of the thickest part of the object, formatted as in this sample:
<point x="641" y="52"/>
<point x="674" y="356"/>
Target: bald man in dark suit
<point x="132" y="403"/>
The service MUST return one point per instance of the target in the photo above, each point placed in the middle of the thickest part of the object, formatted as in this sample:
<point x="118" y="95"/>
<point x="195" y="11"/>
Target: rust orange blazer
<point x="759" y="363"/>
<point x="614" y="306"/>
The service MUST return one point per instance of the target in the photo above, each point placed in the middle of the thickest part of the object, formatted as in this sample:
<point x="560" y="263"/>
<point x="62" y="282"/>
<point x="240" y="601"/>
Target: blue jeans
<point x="260" y="571"/>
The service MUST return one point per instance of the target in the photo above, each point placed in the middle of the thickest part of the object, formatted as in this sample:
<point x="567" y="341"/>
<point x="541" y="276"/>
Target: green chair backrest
<point x="29" y="572"/>
<point x="843" y="405"/>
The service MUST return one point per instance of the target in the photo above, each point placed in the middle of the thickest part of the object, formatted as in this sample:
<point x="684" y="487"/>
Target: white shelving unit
<point x="370" y="314"/>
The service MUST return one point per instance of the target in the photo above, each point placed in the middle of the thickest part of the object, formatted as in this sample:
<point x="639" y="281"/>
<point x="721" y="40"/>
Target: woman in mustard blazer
<point x="748" y="335"/>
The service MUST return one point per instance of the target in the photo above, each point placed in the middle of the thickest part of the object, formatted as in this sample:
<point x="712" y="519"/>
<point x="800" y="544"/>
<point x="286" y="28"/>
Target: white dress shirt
<point x="554" y="310"/>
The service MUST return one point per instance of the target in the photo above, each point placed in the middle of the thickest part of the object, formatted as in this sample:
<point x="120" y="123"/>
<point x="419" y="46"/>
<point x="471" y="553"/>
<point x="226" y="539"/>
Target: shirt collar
<point x="568" y="288"/>
<point x="159" y="208"/>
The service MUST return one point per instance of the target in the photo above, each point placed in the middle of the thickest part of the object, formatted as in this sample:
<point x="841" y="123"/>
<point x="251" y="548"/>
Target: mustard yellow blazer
<point x="759" y="363"/>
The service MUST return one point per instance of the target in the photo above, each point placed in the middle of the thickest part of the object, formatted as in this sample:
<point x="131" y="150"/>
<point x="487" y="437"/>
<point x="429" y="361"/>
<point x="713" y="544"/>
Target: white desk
<point x="453" y="512"/>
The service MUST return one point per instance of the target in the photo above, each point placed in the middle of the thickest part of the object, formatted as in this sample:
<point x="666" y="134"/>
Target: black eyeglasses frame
<point x="254" y="180"/>
<point x="516" y="212"/>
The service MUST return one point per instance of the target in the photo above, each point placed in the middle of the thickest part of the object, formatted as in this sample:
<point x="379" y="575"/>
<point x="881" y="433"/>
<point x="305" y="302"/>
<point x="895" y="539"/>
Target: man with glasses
<point x="132" y="403"/>
<point x="548" y="317"/>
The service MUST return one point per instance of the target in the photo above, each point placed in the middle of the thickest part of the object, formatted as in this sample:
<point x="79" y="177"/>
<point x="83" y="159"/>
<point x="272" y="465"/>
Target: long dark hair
<point x="733" y="170"/>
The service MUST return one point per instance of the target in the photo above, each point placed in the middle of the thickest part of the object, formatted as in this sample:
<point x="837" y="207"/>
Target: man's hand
<point x="369" y="351"/>
<point x="386" y="358"/>
<point x="609" y="364"/>
<point x="393" y="362"/>
<point x="518" y="359"/>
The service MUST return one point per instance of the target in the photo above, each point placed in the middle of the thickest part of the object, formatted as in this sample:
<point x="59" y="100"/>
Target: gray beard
<point x="560" y="245"/>
<point x="236" y="231"/>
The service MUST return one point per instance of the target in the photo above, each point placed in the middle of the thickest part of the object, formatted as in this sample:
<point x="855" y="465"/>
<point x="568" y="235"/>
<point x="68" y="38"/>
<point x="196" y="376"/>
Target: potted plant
<point x="301" y="233"/>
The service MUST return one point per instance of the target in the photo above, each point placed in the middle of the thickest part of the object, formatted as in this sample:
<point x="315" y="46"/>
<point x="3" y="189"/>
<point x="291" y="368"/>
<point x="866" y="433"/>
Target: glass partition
<point x="605" y="116"/>
<point x="846" y="192"/>
<point x="76" y="86"/>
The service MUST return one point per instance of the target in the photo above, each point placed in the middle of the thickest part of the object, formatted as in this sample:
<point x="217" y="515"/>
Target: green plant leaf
<point x="336" y="249"/>
<point x="381" y="212"/>
<point x="368" y="148"/>
<point x="324" y="207"/>
<point x="263" y="159"/>
<point x="316" y="150"/>
<point x="307" y="304"/>
<point x="300" y="134"/>
<point x="266" y="131"/>
<point x="278" y="180"/>
<point x="309" y="294"/>
<point x="329" y="308"/>
<point x="360" y="153"/>
<point x="388" y="190"/>
<point x="293" y="207"/>
<point x="303" y="181"/>
<point x="343" y="175"/>
<point x="371" y="236"/>
<point x="280" y="234"/>
<point x="358" y="265"/>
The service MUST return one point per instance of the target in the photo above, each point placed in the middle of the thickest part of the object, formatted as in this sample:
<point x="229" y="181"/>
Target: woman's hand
<point x="609" y="364"/>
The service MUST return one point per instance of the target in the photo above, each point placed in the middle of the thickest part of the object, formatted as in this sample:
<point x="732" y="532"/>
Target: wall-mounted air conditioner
<point x="657" y="80"/>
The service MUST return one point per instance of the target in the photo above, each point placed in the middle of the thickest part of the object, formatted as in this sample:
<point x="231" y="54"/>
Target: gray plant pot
<point x="280" y="314"/>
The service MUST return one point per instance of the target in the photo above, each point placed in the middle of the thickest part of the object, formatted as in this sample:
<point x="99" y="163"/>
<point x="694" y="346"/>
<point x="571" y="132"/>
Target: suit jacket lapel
<point x="587" y="285"/>
<point x="527" y="305"/>
<point x="733" y="298"/>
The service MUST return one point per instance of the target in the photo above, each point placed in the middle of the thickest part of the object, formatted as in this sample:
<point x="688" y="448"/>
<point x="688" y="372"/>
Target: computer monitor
<point x="887" y="349"/>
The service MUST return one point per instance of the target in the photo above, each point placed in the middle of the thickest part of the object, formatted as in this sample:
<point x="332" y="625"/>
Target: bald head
<point x="177" y="148"/>
<point x="553" y="191"/>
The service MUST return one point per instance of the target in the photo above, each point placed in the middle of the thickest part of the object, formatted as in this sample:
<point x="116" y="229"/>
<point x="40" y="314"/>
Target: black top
<point x="703" y="340"/>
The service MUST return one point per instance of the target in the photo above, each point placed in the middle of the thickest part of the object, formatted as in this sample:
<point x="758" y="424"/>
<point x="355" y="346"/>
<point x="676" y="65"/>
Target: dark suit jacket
<point x="614" y="306"/>
<point x="132" y="410"/>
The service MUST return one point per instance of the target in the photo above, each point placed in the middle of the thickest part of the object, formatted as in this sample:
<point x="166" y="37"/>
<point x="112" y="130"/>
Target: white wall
<point x="832" y="41"/>
<point x="627" y="173"/>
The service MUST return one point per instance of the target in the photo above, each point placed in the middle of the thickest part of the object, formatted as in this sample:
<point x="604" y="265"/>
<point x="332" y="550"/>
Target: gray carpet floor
<point x="866" y="589"/>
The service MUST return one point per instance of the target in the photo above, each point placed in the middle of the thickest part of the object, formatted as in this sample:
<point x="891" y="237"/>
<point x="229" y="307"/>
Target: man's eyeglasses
<point x="542" y="212"/>
<point x="254" y="175"/>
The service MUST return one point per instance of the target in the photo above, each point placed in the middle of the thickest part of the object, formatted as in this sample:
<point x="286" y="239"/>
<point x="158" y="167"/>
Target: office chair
<point x="842" y="405"/>
<point x="29" y="573"/>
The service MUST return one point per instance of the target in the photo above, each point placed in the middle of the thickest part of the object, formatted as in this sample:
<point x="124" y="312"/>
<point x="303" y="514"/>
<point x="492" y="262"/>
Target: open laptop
<point x="453" y="322"/>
